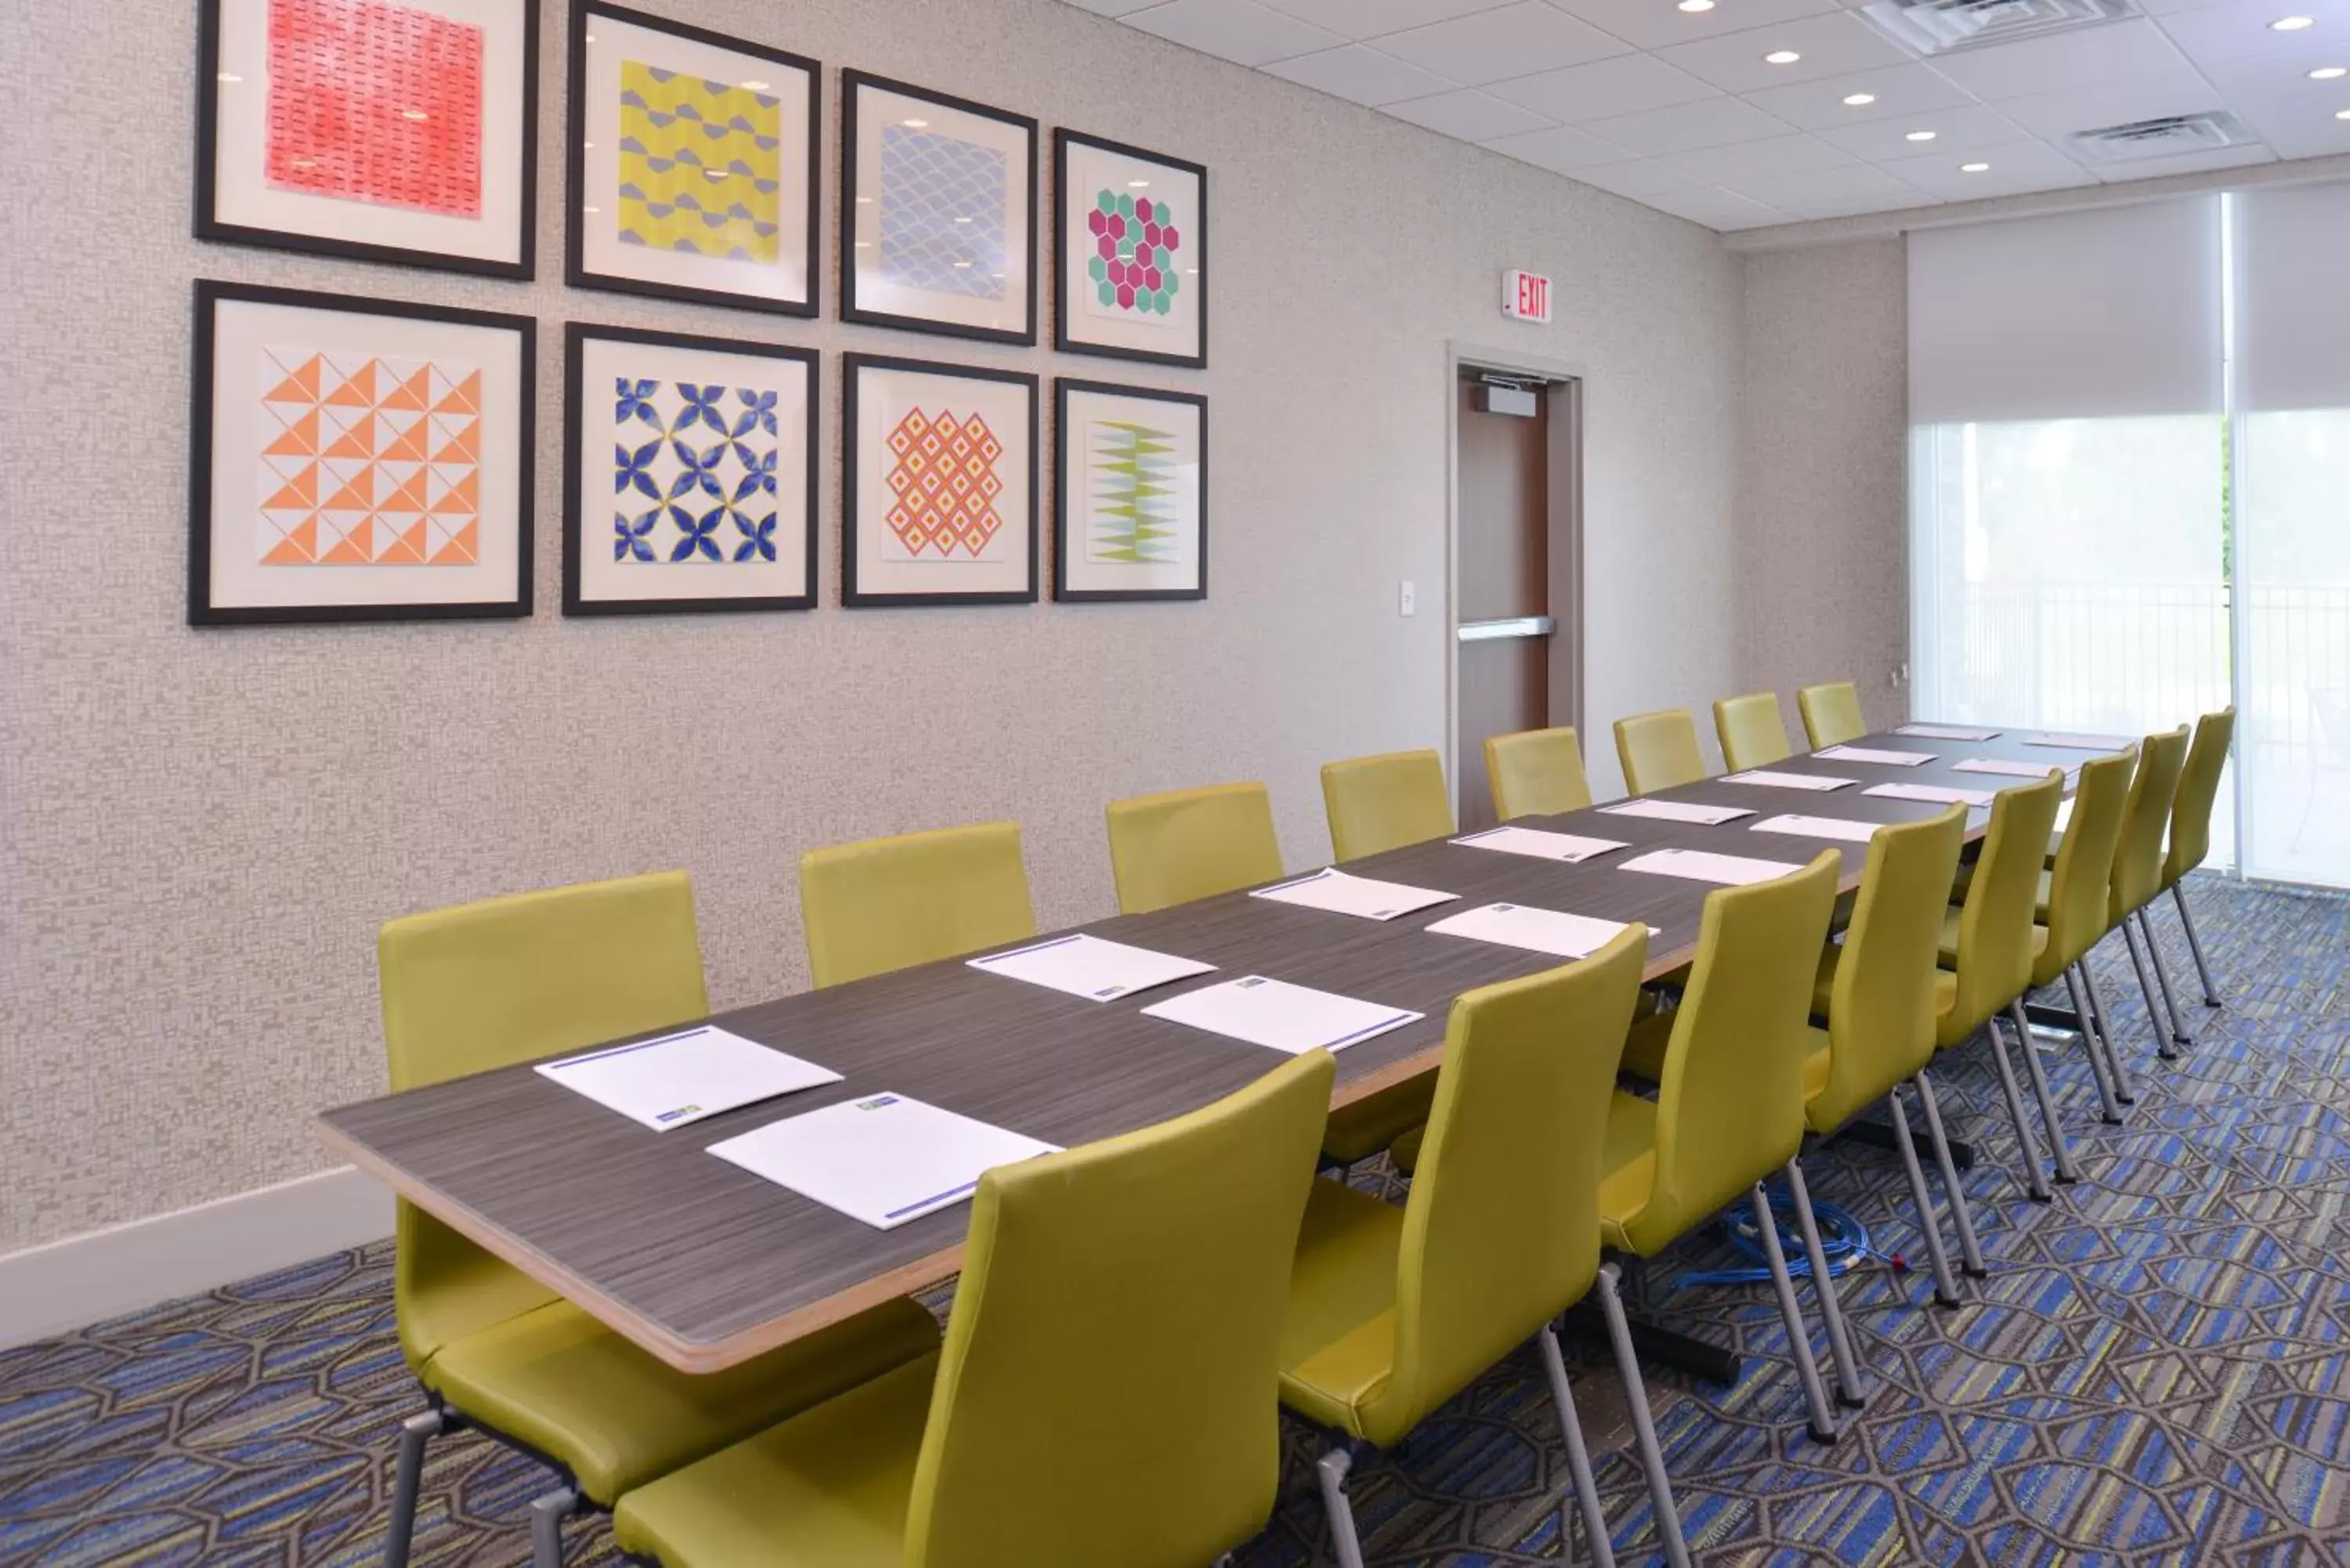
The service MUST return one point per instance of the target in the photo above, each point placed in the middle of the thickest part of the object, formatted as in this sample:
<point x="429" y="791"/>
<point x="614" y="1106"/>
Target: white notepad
<point x="2001" y="766"/>
<point x="1769" y="780"/>
<point x="1697" y="866"/>
<point x="1536" y="931"/>
<point x="1945" y="732"/>
<point x="1091" y="967"/>
<point x="1281" y="1016"/>
<point x="1334" y="890"/>
<point x="681" y="1078"/>
<point x="1886" y="758"/>
<point x="1820" y="828"/>
<point x="884" y="1159"/>
<point x="2064" y="811"/>
<point x="2077" y="742"/>
<point x="1678" y="811"/>
<point x="1568" y="847"/>
<point x="1936" y="794"/>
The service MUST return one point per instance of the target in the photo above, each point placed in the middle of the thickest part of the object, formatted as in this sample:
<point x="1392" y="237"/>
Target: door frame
<point x="1569" y="386"/>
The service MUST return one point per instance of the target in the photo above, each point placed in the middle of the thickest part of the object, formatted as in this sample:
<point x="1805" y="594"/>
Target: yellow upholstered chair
<point x="1188" y="844"/>
<point x="491" y="984"/>
<point x="1884" y="994"/>
<point x="1105" y="1393"/>
<point x="892" y="903"/>
<point x="1383" y="803"/>
<point x="1658" y="751"/>
<point x="1536" y="773"/>
<point x="1729" y="1110"/>
<point x="1751" y="735"/>
<point x="2191" y="827"/>
<point x="1831" y="713"/>
<point x="2137" y="876"/>
<point x="2074" y="899"/>
<point x="1394" y="1310"/>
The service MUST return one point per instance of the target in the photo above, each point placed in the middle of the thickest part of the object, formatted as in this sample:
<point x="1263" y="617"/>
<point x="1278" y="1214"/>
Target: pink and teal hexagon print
<point x="1134" y="267"/>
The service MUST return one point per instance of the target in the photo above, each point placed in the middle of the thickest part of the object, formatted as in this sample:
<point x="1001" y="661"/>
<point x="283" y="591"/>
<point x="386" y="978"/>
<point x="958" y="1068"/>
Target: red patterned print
<point x="945" y="483"/>
<point x="376" y="102"/>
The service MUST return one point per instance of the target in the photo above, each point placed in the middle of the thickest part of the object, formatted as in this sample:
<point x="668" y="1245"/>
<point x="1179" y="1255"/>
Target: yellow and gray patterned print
<point x="700" y="165"/>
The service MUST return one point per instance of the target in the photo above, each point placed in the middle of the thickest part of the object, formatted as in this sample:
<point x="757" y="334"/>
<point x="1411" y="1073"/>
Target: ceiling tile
<point x="1715" y="209"/>
<point x="1815" y="187"/>
<point x="2171" y="7"/>
<point x="1471" y="116"/>
<point x="1111" y="7"/>
<point x="2189" y="163"/>
<point x="1624" y="85"/>
<point x="1711" y="122"/>
<point x="2242" y="31"/>
<point x="1653" y="24"/>
<point x="2123" y="101"/>
<point x="1364" y="76"/>
<point x="1744" y="160"/>
<point x="1835" y="45"/>
<point x="2293" y="114"/>
<point x="2076" y="58"/>
<point x="1638" y="180"/>
<point x="1238" y="30"/>
<point x="1911" y="201"/>
<point x="1897" y="90"/>
<point x="1955" y="131"/>
<point x="1559" y="150"/>
<point x="1490" y="46"/>
<point x="1361" y="20"/>
<point x="2027" y="166"/>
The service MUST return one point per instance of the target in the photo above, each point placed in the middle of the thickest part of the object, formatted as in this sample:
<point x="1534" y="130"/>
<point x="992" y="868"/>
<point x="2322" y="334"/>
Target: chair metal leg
<point x="2097" y="1030"/>
<point x="1331" y="1472"/>
<point x="2048" y="1104"/>
<point x="546" y="1517"/>
<point x="2195" y="944"/>
<point x="2162" y="1041"/>
<point x="1930" y="1229"/>
<point x="1578" y="1464"/>
<point x="1644" y="1426"/>
<point x="1799" y="1334"/>
<point x="2034" y="1182"/>
<point x="1962" y="1214"/>
<point x="2103" y="1016"/>
<point x="406" y="1475"/>
<point x="1851" y="1382"/>
<point x="2179" y="1029"/>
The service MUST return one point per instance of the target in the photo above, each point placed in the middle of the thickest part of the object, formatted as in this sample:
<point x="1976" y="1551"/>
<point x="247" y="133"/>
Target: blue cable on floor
<point x="1843" y="1240"/>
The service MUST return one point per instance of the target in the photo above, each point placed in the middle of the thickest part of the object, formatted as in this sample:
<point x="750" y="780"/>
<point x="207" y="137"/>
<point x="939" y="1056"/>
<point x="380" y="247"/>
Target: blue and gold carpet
<point x="2157" y="1370"/>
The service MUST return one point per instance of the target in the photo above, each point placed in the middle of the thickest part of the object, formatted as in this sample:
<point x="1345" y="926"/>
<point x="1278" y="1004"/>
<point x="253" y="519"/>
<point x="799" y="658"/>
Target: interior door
<point x="1502" y="673"/>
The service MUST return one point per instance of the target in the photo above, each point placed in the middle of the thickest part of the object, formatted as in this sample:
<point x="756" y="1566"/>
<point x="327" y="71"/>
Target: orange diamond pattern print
<point x="945" y="483"/>
<point x="369" y="461"/>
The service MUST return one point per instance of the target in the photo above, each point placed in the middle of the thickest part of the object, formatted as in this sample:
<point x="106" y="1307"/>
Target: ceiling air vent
<point x="1939" y="27"/>
<point x="2165" y="138"/>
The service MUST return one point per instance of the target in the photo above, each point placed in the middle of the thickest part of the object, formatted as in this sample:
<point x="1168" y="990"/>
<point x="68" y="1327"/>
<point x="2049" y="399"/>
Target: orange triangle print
<point x="356" y="441"/>
<point x="461" y="549"/>
<point x="463" y="447"/>
<point x="408" y="549"/>
<point x="413" y="393"/>
<point x="359" y="496"/>
<point x="463" y="499"/>
<point x="408" y="497"/>
<point x="299" y="547"/>
<point x="407" y="446"/>
<point x="355" y="548"/>
<point x="359" y="392"/>
<point x="301" y="387"/>
<point x="300" y="439"/>
<point x="302" y="490"/>
<point x="464" y="398"/>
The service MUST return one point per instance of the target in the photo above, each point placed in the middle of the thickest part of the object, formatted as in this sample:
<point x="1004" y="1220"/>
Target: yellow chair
<point x="2191" y="827"/>
<point x="889" y="903"/>
<point x="1751" y="735"/>
<point x="1658" y="751"/>
<point x="1186" y="843"/>
<point x="1831" y="713"/>
<point x="491" y="984"/>
<point x="1383" y="803"/>
<point x="1536" y="773"/>
<point x="1729" y="1109"/>
<point x="2075" y="894"/>
<point x="1107" y="1391"/>
<point x="1394" y="1310"/>
<point x="2137" y="877"/>
<point x="1883" y="997"/>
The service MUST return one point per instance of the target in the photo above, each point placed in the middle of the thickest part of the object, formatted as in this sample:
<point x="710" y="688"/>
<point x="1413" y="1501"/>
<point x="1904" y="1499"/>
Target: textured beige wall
<point x="202" y="831"/>
<point x="1823" y="564"/>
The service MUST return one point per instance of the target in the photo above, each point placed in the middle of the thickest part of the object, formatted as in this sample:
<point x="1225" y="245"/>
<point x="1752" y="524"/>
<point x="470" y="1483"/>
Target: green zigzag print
<point x="1133" y="521"/>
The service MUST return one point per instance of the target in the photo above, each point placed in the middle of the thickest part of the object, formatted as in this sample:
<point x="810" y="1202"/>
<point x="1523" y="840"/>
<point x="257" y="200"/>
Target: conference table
<point x="705" y="1265"/>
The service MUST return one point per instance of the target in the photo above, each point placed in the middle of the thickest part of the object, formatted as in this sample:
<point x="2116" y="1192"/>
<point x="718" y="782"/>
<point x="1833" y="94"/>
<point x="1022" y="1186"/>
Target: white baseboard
<point x="81" y="1280"/>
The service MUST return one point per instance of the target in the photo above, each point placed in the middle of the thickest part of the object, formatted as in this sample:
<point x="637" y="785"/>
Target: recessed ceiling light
<point x="1858" y="100"/>
<point x="1137" y="184"/>
<point x="755" y="86"/>
<point x="591" y="209"/>
<point x="1973" y="168"/>
<point x="2292" y="23"/>
<point x="917" y="124"/>
<point x="2342" y="114"/>
<point x="1918" y="136"/>
<point x="414" y="114"/>
<point x="1694" y="6"/>
<point x="1781" y="57"/>
<point x="2328" y="73"/>
<point x="229" y="76"/>
<point x="591" y="38"/>
<point x="864" y="201"/>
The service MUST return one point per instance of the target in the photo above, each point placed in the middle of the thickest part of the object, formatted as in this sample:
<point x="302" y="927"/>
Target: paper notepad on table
<point x="1334" y="890"/>
<point x="1945" y="732"/>
<point x="1820" y="828"/>
<point x="1885" y="759"/>
<point x="1281" y="1016"/>
<point x="1567" y="846"/>
<point x="1769" y="780"/>
<point x="2064" y="812"/>
<point x="1678" y="811"/>
<point x="1536" y="931"/>
<point x="681" y="1078"/>
<point x="1091" y="967"/>
<point x="2001" y="766"/>
<point x="1697" y="866"/>
<point x="2077" y="742"/>
<point x="884" y="1159"/>
<point x="1936" y="794"/>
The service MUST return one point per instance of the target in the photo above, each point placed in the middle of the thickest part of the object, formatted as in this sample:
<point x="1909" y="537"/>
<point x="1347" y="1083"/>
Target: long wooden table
<point x="705" y="1265"/>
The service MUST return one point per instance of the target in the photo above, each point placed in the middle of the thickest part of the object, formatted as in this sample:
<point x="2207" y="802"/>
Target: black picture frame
<point x="853" y="366"/>
<point x="210" y="293"/>
<point x="574" y="163"/>
<point x="210" y="227"/>
<point x="1062" y="490"/>
<point x="1063" y="341"/>
<point x="852" y="83"/>
<point x="576" y="334"/>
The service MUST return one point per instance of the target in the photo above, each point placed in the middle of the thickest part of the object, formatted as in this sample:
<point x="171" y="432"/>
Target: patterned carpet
<point x="2154" y="1372"/>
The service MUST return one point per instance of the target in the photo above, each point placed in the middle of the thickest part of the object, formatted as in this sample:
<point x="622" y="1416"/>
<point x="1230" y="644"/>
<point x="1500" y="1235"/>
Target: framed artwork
<point x="692" y="164"/>
<point x="1131" y="511"/>
<point x="940" y="483"/>
<point x="699" y="451"/>
<point x="1132" y="253"/>
<point x="938" y="226"/>
<point x="357" y="458"/>
<point x="385" y="130"/>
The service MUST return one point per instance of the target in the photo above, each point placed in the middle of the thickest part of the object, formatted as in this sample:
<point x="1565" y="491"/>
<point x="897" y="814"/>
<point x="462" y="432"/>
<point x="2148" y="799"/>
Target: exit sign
<point x="1525" y="296"/>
